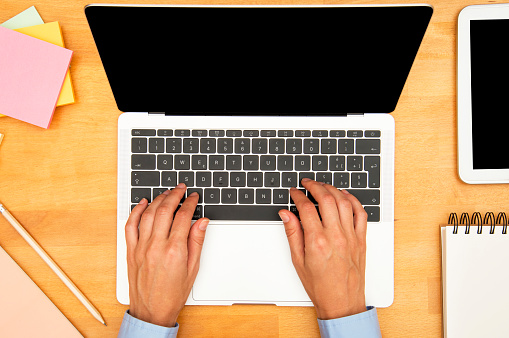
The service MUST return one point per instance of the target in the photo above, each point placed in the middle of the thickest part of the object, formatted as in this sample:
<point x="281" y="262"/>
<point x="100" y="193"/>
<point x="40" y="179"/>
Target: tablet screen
<point x="490" y="93"/>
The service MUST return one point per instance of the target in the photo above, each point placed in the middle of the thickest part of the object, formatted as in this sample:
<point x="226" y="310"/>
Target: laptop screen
<point x="257" y="60"/>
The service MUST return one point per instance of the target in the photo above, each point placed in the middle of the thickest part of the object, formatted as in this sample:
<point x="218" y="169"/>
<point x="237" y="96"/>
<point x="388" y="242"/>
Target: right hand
<point x="329" y="255"/>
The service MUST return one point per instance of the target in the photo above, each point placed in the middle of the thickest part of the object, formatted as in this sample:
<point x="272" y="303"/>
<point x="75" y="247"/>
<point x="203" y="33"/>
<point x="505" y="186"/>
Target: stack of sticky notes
<point x="34" y="69"/>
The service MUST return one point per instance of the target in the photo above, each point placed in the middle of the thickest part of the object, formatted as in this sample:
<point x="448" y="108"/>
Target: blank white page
<point x="475" y="278"/>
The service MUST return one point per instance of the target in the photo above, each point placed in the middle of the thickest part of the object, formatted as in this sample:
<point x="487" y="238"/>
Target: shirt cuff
<point x="364" y="324"/>
<point x="135" y="328"/>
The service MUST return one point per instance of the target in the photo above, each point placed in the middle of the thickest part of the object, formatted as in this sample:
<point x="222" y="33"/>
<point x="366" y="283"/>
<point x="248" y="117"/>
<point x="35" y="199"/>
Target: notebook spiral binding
<point x="477" y="219"/>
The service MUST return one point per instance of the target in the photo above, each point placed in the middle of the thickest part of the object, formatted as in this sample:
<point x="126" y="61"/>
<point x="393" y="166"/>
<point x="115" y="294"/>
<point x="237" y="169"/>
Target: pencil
<point x="51" y="263"/>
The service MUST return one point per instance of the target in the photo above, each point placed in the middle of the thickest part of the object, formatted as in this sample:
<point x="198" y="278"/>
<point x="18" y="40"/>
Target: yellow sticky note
<point x="51" y="32"/>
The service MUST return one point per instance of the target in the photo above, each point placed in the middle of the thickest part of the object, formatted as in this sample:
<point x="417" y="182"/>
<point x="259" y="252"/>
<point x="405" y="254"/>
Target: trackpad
<point x="247" y="263"/>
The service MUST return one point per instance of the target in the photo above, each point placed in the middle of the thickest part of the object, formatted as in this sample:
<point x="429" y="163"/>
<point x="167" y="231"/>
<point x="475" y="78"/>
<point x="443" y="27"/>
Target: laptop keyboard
<point x="246" y="174"/>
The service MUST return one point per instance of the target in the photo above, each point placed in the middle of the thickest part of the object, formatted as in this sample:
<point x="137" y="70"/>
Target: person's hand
<point x="163" y="256"/>
<point x="329" y="255"/>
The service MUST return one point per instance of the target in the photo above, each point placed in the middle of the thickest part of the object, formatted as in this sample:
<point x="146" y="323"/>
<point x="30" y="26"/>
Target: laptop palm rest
<point x="247" y="264"/>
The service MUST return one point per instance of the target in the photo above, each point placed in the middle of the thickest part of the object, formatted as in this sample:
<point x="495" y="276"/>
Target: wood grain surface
<point x="60" y="184"/>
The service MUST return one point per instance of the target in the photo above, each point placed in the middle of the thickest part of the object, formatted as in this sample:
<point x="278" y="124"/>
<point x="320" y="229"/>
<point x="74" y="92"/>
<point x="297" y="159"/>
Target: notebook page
<point x="475" y="277"/>
<point x="25" y="311"/>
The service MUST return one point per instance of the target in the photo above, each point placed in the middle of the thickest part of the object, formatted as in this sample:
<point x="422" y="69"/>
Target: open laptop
<point x="240" y="103"/>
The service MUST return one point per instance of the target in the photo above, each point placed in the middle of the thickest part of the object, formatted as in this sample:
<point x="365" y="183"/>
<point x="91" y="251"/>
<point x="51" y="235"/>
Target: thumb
<point x="295" y="236"/>
<point x="195" y="244"/>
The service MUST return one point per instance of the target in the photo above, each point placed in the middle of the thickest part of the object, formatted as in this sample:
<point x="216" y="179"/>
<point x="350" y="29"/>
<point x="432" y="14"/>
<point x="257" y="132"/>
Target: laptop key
<point x="143" y="132"/>
<point x="174" y="145"/>
<point x="211" y="195"/>
<point x="220" y="179"/>
<point x="359" y="180"/>
<point x="203" y="179"/>
<point x="366" y="196"/>
<point x="372" y="166"/>
<point x="198" y="212"/>
<point x="246" y="196"/>
<point x="156" y="145"/>
<point x="216" y="162"/>
<point x="145" y="178"/>
<point x="169" y="179"/>
<point x="242" y="146"/>
<point x="199" y="162"/>
<point x="294" y="146"/>
<point x="255" y="179"/>
<point x="191" y="145"/>
<point x="229" y="196"/>
<point x="199" y="133"/>
<point x="244" y="212"/>
<point x="225" y="145"/>
<point x="143" y="162"/>
<point x="182" y="132"/>
<point x="260" y="146"/>
<point x="234" y="133"/>
<point x="182" y="162"/>
<point x="277" y="146"/>
<point x="268" y="133"/>
<point x="251" y="162"/>
<point x="367" y="146"/>
<point x="329" y="146"/>
<point x="138" y="193"/>
<point x="216" y="133"/>
<point x="280" y="196"/>
<point x="187" y="177"/>
<point x="345" y="146"/>
<point x="138" y="145"/>
<point x="164" y="162"/>
<point x="263" y="196"/>
<point x="233" y="162"/>
<point x="373" y="213"/>
<point x="208" y="145"/>
<point x="311" y="146"/>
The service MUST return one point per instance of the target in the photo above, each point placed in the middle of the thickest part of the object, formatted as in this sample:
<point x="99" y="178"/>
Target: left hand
<point x="163" y="256"/>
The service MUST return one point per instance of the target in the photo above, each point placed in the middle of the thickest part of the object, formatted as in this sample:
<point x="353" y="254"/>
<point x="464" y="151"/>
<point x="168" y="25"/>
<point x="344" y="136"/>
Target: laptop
<point x="241" y="103"/>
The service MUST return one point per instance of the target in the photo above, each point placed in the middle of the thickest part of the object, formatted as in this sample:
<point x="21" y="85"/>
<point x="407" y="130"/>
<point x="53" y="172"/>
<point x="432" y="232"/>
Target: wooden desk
<point x="61" y="185"/>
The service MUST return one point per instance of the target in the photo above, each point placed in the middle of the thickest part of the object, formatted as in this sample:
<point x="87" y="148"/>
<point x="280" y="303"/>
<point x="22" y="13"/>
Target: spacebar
<point x="243" y="212"/>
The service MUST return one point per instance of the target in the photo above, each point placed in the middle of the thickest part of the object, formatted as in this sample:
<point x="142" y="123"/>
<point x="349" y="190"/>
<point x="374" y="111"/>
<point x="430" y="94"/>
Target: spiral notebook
<point x="475" y="276"/>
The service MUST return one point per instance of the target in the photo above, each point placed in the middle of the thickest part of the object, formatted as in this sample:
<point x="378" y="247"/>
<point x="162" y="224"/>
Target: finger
<point x="195" y="244"/>
<point x="182" y="221"/>
<point x="295" y="236"/>
<point x="164" y="214"/>
<point x="326" y="203"/>
<point x="360" y="217"/>
<point x="131" y="226"/>
<point x="307" y="212"/>
<point x="344" y="210"/>
<point x="147" y="219"/>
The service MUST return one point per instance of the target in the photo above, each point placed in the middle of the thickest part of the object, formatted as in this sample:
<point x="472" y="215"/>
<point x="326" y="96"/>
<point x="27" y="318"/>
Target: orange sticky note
<point x="32" y="75"/>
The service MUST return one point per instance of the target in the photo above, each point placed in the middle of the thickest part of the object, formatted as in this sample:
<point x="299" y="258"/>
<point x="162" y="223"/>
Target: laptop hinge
<point x="156" y="113"/>
<point x="354" y="114"/>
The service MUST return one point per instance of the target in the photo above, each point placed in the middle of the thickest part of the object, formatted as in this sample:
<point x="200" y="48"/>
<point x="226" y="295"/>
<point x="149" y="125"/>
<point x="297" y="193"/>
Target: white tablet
<point x="483" y="94"/>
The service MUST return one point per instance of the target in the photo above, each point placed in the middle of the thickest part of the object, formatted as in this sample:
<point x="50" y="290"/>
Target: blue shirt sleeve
<point x="135" y="328"/>
<point x="364" y="324"/>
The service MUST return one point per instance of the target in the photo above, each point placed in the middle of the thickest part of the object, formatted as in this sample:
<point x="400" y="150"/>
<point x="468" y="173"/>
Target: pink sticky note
<point x="32" y="72"/>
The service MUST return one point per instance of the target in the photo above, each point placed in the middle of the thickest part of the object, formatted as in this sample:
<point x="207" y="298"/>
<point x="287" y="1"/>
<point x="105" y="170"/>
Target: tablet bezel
<point x="466" y="170"/>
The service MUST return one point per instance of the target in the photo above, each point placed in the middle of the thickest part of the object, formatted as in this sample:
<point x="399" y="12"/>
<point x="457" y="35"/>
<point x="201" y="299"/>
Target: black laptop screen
<point x="275" y="60"/>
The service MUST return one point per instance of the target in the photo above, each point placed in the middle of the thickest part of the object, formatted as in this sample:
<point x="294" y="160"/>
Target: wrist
<point x="165" y="320"/>
<point x="326" y="313"/>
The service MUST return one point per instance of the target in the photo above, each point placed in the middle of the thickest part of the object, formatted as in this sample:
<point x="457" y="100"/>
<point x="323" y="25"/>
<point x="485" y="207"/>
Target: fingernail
<point x="167" y="192"/>
<point x="284" y="217"/>
<point x="181" y="186"/>
<point x="143" y="201"/>
<point x="305" y="179"/>
<point x="194" y="193"/>
<point x="345" y="192"/>
<point x="203" y="224"/>
<point x="322" y="183"/>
